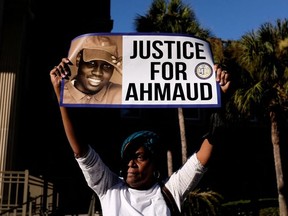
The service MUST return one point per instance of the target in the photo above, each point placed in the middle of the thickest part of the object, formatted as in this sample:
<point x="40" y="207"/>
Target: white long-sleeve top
<point x="117" y="199"/>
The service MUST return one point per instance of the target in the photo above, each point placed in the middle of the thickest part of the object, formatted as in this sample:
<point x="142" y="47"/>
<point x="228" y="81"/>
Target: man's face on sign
<point x="93" y="75"/>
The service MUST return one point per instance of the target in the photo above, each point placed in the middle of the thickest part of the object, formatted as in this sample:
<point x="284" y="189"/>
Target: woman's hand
<point x="222" y="77"/>
<point x="59" y="72"/>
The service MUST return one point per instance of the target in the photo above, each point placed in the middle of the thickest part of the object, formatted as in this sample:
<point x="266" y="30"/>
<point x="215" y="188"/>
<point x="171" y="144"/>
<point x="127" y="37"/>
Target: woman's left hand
<point x="222" y="77"/>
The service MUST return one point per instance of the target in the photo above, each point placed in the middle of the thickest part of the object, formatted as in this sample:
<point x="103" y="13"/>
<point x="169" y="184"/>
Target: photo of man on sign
<point x="94" y="60"/>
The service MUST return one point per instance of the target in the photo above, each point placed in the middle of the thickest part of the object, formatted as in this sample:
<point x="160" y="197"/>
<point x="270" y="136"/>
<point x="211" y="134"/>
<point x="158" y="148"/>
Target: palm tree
<point x="264" y="55"/>
<point x="203" y="203"/>
<point x="172" y="17"/>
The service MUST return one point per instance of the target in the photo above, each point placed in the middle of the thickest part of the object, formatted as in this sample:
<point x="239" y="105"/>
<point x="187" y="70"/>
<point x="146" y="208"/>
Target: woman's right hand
<point x="59" y="72"/>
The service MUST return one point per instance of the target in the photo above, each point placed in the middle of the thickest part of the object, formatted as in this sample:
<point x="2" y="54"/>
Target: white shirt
<point x="117" y="199"/>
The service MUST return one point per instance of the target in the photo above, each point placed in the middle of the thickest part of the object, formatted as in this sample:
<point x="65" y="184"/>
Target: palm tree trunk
<point x="183" y="143"/>
<point x="169" y="162"/>
<point x="283" y="210"/>
<point x="183" y="135"/>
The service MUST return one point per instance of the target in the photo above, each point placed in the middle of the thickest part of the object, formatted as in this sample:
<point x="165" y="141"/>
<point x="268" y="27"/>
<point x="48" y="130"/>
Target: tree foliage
<point x="202" y="203"/>
<point x="263" y="54"/>
<point x="170" y="17"/>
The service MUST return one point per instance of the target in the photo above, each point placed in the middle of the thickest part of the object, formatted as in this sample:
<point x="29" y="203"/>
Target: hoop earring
<point x="156" y="174"/>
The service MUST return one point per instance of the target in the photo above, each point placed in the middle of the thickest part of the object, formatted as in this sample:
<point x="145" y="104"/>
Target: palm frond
<point x="203" y="203"/>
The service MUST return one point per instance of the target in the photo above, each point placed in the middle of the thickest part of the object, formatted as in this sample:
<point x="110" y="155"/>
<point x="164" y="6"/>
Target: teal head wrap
<point x="148" y="139"/>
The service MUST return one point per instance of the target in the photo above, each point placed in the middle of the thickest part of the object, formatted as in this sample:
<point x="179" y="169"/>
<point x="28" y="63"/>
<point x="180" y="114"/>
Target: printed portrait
<point x="96" y="71"/>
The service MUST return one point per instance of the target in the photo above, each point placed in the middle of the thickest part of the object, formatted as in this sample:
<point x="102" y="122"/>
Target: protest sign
<point x="150" y="70"/>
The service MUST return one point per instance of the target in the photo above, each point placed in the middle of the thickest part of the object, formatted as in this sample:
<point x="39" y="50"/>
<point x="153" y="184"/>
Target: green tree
<point x="203" y="203"/>
<point x="263" y="54"/>
<point x="170" y="17"/>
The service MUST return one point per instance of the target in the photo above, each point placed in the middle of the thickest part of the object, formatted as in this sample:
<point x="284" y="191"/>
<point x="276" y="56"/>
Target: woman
<point x="138" y="191"/>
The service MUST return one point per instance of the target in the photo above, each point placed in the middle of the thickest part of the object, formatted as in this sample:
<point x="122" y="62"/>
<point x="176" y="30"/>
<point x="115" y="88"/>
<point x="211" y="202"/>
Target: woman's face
<point x="140" y="170"/>
<point x="92" y="76"/>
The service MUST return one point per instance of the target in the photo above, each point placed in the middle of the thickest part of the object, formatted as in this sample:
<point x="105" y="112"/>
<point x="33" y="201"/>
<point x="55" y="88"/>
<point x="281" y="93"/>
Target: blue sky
<point x="226" y="19"/>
